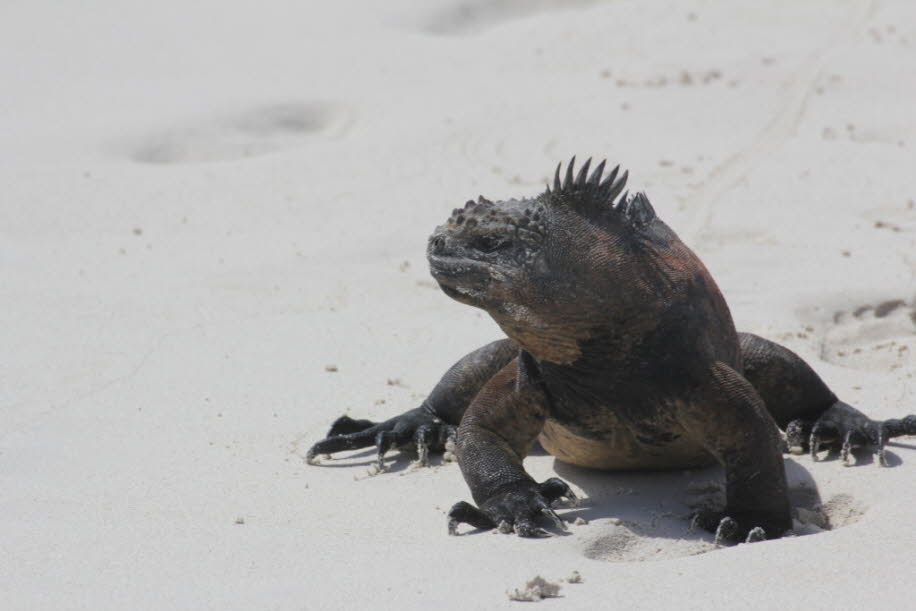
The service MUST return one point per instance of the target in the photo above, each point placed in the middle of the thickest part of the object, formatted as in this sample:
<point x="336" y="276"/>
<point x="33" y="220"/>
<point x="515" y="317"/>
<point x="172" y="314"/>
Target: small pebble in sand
<point x="575" y="577"/>
<point x="330" y="368"/>
<point x="240" y="520"/>
<point x="580" y="521"/>
<point x="536" y="590"/>
<point x="449" y="454"/>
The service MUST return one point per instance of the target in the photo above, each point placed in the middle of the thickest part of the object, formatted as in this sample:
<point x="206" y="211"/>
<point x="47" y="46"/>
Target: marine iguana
<point x="621" y="354"/>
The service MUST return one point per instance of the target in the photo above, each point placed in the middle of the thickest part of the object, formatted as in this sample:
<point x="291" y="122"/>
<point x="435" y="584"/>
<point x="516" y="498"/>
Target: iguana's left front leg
<point x="729" y="418"/>
<point x="497" y="431"/>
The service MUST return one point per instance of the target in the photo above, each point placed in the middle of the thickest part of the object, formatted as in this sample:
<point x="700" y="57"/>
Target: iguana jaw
<point x="460" y="278"/>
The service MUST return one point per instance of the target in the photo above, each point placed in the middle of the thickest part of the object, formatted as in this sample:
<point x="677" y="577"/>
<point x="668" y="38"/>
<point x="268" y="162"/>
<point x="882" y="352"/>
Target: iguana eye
<point x="490" y="243"/>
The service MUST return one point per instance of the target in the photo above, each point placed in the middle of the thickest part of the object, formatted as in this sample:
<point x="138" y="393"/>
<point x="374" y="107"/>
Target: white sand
<point x="205" y="204"/>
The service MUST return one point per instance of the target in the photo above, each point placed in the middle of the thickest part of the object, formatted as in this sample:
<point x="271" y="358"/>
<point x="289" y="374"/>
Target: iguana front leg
<point x="495" y="435"/>
<point x="730" y="419"/>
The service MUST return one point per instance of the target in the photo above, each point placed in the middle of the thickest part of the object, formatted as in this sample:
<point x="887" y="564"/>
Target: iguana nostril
<point x="438" y="244"/>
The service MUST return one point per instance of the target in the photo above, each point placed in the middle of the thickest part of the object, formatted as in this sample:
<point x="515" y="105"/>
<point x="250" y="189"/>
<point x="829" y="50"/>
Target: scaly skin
<point x="621" y="354"/>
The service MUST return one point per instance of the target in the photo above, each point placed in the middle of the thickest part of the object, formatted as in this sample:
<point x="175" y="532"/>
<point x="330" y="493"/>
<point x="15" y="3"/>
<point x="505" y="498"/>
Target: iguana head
<point x="550" y="268"/>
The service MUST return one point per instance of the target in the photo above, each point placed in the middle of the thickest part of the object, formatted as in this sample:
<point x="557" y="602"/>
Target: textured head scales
<point x="511" y="215"/>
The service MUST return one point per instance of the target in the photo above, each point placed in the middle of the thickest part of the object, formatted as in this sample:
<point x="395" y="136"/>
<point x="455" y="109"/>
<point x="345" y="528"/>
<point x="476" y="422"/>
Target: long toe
<point x="726" y="531"/>
<point x="527" y="528"/>
<point x="465" y="513"/>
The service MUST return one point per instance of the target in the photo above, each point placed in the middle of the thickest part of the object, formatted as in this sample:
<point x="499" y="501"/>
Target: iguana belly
<point x="620" y="450"/>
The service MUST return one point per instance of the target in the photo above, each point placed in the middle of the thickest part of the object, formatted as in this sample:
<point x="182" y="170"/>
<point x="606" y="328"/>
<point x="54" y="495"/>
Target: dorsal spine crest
<point x="592" y="195"/>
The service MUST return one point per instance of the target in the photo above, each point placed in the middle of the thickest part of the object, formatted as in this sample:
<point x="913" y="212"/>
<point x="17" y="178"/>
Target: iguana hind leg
<point x="432" y="425"/>
<point x="802" y="405"/>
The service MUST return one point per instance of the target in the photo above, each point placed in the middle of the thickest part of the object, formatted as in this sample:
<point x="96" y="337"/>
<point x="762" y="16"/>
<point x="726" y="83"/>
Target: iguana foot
<point x="418" y="427"/>
<point x="845" y="428"/>
<point x="516" y="507"/>
<point x="728" y="530"/>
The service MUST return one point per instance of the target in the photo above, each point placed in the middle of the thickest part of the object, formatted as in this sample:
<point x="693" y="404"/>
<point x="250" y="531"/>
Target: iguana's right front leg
<point x="727" y="416"/>
<point x="429" y="426"/>
<point x="495" y="435"/>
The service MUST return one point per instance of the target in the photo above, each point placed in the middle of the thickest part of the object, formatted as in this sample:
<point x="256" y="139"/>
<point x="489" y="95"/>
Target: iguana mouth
<point x="450" y="292"/>
<point x="459" y="277"/>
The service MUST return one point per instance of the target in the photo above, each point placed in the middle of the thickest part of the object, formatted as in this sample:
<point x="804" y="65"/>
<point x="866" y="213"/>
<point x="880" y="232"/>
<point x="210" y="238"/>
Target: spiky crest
<point x="591" y="195"/>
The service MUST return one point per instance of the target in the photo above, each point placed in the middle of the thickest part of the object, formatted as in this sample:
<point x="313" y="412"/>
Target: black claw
<point x="756" y="534"/>
<point x="846" y="450"/>
<point x="527" y="528"/>
<point x="814" y="446"/>
<point x="726" y="531"/>
<point x="552" y="515"/>
<point x="384" y="441"/>
<point x="423" y="439"/>
<point x="740" y="528"/>
<point x="821" y="433"/>
<point x="879" y="445"/>
<point x="851" y="440"/>
<point x="444" y="434"/>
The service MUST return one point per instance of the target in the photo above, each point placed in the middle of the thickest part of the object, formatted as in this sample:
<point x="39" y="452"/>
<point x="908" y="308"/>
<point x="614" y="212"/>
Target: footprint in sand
<point x="472" y="17"/>
<point x="668" y="536"/>
<point x="626" y="541"/>
<point x="251" y="133"/>
<point x="880" y="336"/>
